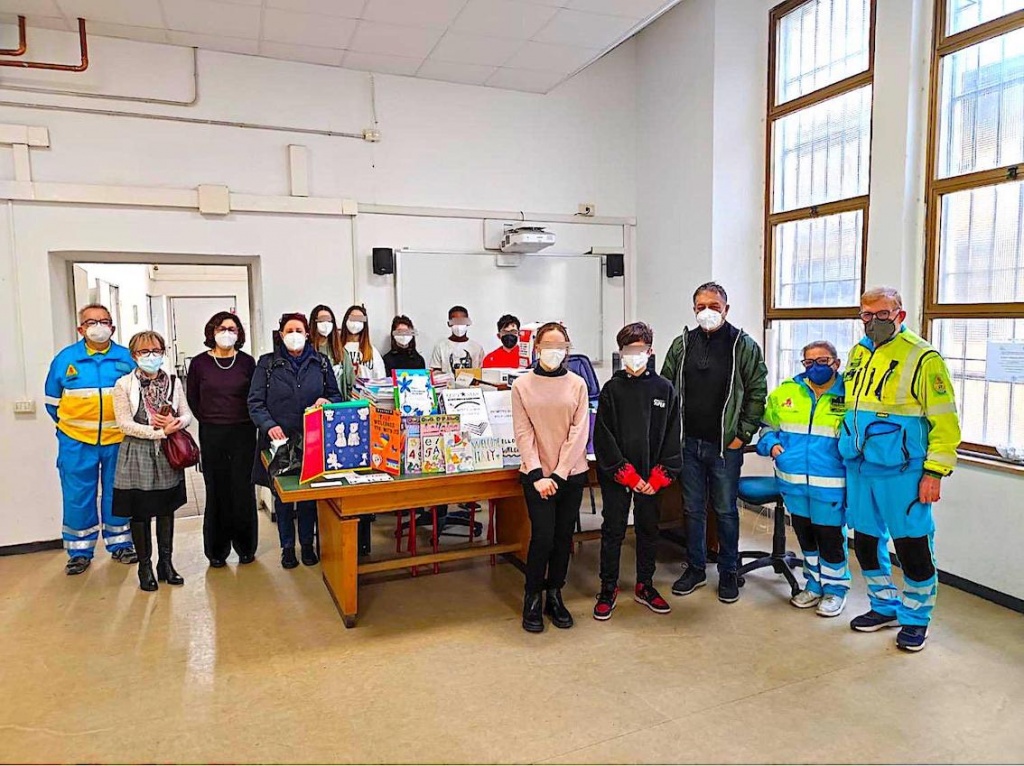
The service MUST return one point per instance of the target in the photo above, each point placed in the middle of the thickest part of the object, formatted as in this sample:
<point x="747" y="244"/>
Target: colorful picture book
<point x="336" y="437"/>
<point x="432" y="431"/>
<point x="412" y="458"/>
<point x="487" y="454"/>
<point x="414" y="393"/>
<point x="458" y="452"/>
<point x="499" y="414"/>
<point x="386" y="441"/>
<point x="468" y="404"/>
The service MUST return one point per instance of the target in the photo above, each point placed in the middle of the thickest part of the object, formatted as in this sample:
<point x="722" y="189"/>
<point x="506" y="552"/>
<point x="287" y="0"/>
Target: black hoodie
<point x="638" y="425"/>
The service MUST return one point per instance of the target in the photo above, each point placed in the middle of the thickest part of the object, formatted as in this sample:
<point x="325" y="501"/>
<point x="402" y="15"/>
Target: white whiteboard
<point x="541" y="288"/>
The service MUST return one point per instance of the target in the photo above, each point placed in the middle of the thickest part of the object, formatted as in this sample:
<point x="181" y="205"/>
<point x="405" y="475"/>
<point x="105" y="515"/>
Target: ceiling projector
<point x="526" y="239"/>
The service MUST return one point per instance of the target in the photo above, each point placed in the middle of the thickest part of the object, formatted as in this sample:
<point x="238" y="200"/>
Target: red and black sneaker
<point x="606" y="602"/>
<point x="647" y="595"/>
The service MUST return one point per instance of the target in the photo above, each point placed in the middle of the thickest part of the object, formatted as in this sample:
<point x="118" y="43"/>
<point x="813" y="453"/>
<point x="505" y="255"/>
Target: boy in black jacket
<point x="636" y="442"/>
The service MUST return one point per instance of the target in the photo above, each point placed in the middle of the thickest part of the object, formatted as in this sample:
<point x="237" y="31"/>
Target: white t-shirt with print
<point x="370" y="369"/>
<point x="450" y="356"/>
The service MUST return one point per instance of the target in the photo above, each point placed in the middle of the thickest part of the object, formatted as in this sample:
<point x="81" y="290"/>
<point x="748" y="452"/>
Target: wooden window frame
<point x="775" y="112"/>
<point x="944" y="44"/>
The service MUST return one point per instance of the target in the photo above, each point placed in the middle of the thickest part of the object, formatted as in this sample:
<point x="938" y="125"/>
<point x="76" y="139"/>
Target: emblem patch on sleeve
<point x="939" y="385"/>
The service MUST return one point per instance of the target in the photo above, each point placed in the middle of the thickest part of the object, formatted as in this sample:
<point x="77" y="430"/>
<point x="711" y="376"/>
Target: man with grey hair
<point x="79" y="398"/>
<point x="899" y="440"/>
<point x="719" y="373"/>
<point x="800" y="432"/>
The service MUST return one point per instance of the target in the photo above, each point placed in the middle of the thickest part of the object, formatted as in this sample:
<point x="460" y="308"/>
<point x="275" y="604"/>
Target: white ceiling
<point x="529" y="45"/>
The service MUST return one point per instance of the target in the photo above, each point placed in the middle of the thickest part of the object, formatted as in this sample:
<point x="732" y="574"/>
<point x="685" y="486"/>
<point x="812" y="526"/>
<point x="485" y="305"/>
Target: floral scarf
<point x="155" y="391"/>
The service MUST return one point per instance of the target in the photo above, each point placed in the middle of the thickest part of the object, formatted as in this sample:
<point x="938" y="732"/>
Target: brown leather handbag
<point x="180" y="448"/>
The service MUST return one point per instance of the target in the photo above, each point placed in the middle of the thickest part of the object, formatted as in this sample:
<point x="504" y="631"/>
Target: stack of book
<point x="380" y="392"/>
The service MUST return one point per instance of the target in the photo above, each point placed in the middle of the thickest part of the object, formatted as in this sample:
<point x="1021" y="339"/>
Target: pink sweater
<point x="552" y="424"/>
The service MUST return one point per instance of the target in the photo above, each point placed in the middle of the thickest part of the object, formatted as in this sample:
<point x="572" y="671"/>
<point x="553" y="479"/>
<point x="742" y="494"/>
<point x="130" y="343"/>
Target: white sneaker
<point x="805" y="599"/>
<point x="831" y="605"/>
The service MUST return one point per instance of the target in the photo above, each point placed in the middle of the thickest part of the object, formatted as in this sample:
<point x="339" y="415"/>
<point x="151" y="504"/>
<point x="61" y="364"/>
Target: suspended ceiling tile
<point x="305" y="53"/>
<point x="307" y="29"/>
<point x="143" y="34"/>
<point x="630" y="9"/>
<point x="393" y="40"/>
<point x="351" y="9"/>
<point x="213" y="18"/>
<point x="213" y="42"/>
<point x="456" y="48"/>
<point x="503" y="18"/>
<point x="585" y="30"/>
<point x="525" y="79"/>
<point x="382" y="63"/>
<point x="552" y="58"/>
<point x="431" y="14"/>
<point x="133" y="13"/>
<point x="43" y="8"/>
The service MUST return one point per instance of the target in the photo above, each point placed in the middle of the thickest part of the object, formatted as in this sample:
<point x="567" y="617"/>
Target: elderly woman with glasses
<point x="800" y="433"/>
<point x="149" y="405"/>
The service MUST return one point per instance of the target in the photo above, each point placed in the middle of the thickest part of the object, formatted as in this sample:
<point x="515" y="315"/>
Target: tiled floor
<point x="251" y="664"/>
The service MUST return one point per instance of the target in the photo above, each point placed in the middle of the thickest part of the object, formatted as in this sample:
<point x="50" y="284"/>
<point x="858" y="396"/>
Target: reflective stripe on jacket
<point x="807" y="428"/>
<point x="900" y="407"/>
<point x="79" y="392"/>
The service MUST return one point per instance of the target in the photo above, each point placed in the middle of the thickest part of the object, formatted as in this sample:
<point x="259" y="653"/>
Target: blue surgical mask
<point x="151" y="364"/>
<point x="820" y="374"/>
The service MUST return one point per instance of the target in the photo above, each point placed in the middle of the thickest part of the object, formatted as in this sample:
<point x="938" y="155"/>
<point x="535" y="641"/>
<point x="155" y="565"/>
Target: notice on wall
<point x="1005" y="363"/>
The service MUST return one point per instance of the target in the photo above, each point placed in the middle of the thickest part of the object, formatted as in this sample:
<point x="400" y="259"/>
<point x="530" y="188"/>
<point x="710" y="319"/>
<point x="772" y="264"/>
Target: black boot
<point x="142" y="537"/>
<point x="533" y="620"/>
<point x="554" y="608"/>
<point x="165" y="546"/>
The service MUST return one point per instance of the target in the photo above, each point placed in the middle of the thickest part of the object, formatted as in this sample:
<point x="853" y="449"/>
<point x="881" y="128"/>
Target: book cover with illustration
<point x="432" y="444"/>
<point x="336" y="437"/>
<point x="499" y="414"/>
<point x="414" y="393"/>
<point x="413" y="452"/>
<point x="468" y="404"/>
<point x="458" y="452"/>
<point x="386" y="441"/>
<point x="487" y="454"/>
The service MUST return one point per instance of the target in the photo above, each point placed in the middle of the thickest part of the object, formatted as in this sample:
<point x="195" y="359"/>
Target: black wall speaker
<point x="615" y="265"/>
<point x="383" y="260"/>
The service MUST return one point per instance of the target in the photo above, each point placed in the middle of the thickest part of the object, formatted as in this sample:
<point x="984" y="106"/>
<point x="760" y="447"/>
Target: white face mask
<point x="325" y="328"/>
<point x="551" y="358"/>
<point x="99" y="333"/>
<point x="634" y="362"/>
<point x="295" y="341"/>
<point x="402" y="340"/>
<point x="460" y="330"/>
<point x="355" y="327"/>
<point x="226" y="339"/>
<point x="709" y="319"/>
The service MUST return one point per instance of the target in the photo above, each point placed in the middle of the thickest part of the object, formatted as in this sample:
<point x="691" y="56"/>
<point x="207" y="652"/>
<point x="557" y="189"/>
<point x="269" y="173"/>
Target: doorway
<point x="188" y="318"/>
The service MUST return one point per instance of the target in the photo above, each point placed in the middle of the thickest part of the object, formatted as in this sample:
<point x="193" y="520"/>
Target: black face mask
<point x="880" y="330"/>
<point x="509" y="340"/>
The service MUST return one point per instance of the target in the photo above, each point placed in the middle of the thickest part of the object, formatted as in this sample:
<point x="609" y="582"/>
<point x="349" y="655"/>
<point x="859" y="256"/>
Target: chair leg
<point x="491" y="535"/>
<point x="434" y="536"/>
<point x="412" y="539"/>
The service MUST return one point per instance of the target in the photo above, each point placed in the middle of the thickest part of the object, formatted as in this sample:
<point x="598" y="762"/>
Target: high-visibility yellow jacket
<point x="900" y="410"/>
<point x="807" y="428"/>
<point x="79" y="392"/>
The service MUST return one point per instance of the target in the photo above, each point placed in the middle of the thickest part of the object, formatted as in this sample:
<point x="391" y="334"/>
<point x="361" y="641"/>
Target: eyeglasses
<point x="94" y="322"/>
<point x="884" y="315"/>
<point x="147" y="353"/>
<point x="825" y="360"/>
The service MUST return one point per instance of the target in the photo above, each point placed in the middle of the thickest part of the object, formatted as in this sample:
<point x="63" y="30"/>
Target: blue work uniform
<point x="901" y="423"/>
<point x="79" y="398"/>
<point x="811" y="476"/>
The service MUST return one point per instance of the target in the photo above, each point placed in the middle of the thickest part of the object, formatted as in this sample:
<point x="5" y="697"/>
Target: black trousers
<point x="552" y="523"/>
<point x="230" y="517"/>
<point x="615" y="512"/>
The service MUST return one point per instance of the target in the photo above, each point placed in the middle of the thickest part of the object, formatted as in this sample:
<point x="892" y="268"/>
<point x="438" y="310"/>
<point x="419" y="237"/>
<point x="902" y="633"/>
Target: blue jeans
<point x="706" y="472"/>
<point x="286" y="513"/>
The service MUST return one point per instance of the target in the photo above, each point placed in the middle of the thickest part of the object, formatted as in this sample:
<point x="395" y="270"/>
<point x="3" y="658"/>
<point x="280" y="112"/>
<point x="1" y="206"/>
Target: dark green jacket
<point x="744" y="406"/>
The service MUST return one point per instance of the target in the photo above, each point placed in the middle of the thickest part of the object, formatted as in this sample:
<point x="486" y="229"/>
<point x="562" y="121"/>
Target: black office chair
<point x="764" y="491"/>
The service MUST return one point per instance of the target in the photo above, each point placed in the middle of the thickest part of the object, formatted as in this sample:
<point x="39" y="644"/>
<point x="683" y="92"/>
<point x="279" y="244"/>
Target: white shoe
<point x="805" y="599"/>
<point x="831" y="605"/>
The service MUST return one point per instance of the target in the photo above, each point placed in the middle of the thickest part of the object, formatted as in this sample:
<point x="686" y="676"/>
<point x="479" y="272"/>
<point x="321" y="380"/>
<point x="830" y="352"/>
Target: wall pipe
<point x="22" y="41"/>
<point x="112" y="97"/>
<point x="83" y="46"/>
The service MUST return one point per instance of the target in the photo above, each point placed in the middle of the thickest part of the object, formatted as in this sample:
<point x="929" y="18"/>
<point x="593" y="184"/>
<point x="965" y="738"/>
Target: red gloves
<point x="659" y="479"/>
<point x="628" y="477"/>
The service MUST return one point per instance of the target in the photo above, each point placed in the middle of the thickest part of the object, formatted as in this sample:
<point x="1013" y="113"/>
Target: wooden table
<point x="339" y="508"/>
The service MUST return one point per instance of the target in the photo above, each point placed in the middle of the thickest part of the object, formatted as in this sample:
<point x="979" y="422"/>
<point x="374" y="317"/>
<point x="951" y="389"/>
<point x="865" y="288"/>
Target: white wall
<point x="132" y="281"/>
<point x="700" y="206"/>
<point x="443" y="145"/>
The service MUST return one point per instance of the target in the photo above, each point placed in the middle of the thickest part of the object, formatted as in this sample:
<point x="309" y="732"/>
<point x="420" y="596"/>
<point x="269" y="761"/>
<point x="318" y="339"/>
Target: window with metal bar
<point x="974" y="277"/>
<point x="821" y="67"/>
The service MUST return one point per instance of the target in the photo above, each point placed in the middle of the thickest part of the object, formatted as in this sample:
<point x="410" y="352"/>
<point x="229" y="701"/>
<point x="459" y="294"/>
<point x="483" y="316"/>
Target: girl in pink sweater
<point x="552" y="424"/>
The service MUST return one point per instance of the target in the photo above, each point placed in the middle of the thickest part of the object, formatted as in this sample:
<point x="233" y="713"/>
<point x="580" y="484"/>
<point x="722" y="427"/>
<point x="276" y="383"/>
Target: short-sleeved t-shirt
<point x="450" y="356"/>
